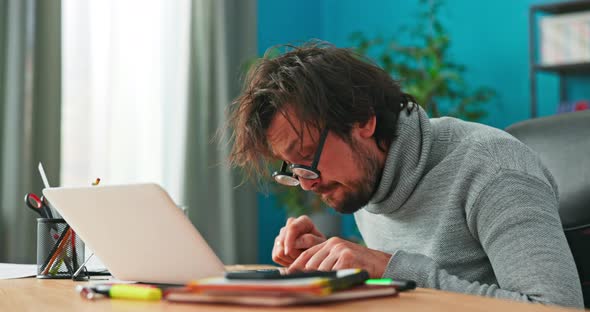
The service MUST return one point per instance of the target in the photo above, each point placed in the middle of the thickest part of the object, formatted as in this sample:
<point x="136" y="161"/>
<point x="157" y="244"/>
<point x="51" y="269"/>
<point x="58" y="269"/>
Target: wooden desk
<point x="33" y="294"/>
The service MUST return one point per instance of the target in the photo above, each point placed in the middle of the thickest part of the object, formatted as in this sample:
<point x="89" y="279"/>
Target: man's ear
<point x="367" y="129"/>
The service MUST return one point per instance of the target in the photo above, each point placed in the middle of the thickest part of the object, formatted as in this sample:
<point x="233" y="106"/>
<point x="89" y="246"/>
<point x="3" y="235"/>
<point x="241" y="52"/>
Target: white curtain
<point x="125" y="69"/>
<point x="223" y="40"/>
<point x="30" y="101"/>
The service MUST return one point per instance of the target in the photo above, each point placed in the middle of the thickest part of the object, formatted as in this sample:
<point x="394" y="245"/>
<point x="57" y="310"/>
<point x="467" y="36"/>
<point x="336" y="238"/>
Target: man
<point x="453" y="205"/>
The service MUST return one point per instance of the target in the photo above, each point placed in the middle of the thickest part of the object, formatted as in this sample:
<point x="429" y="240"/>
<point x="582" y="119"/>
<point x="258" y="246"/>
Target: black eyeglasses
<point x="291" y="178"/>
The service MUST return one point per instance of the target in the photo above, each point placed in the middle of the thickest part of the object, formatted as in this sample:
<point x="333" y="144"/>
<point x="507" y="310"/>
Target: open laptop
<point x="137" y="231"/>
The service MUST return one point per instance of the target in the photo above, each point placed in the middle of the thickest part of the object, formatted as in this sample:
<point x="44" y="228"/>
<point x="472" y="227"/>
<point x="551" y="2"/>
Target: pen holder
<point x="60" y="252"/>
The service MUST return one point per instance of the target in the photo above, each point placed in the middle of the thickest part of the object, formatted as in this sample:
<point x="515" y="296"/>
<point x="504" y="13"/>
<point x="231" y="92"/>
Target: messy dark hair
<point x="324" y="86"/>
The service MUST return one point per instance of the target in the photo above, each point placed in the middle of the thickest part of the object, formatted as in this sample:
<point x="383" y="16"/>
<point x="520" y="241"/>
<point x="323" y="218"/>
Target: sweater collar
<point x="405" y="163"/>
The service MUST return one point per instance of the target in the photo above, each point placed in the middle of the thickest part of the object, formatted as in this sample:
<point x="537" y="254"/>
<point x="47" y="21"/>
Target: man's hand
<point x="336" y="254"/>
<point x="295" y="237"/>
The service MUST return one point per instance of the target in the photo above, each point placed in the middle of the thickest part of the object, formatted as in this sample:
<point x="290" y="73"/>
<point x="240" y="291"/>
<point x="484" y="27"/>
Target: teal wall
<point x="489" y="37"/>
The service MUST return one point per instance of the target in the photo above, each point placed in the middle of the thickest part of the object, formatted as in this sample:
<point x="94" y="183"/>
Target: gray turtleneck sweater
<point x="468" y="208"/>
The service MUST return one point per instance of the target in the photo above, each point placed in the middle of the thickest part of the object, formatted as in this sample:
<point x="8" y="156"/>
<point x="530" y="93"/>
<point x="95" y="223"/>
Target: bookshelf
<point x="562" y="70"/>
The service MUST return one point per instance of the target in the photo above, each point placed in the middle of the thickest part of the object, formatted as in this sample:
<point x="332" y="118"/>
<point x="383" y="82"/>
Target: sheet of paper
<point x="11" y="270"/>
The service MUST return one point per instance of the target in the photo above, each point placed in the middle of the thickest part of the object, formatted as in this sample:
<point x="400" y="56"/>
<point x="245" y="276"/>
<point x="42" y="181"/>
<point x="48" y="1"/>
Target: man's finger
<point x="294" y="253"/>
<point x="278" y="253"/>
<point x="308" y="240"/>
<point x="283" y="234"/>
<point x="328" y="263"/>
<point x="296" y="228"/>
<point x="281" y="262"/>
<point x="280" y="240"/>
<point x="301" y="261"/>
<point x="316" y="259"/>
<point x="279" y="257"/>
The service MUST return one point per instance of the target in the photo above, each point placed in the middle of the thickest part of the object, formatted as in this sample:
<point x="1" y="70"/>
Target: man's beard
<point x="364" y="188"/>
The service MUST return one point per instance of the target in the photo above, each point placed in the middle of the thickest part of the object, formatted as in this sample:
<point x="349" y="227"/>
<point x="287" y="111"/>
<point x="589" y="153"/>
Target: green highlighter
<point x="400" y="285"/>
<point x="121" y="291"/>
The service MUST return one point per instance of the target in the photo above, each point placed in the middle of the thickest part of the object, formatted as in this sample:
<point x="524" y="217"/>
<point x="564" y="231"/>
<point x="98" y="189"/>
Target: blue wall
<point x="281" y="22"/>
<point x="489" y="37"/>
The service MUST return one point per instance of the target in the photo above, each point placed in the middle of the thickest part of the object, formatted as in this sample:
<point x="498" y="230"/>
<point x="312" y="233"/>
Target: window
<point x="124" y="67"/>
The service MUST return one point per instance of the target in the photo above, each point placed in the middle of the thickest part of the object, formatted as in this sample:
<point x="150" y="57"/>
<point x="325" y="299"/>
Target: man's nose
<point x="308" y="184"/>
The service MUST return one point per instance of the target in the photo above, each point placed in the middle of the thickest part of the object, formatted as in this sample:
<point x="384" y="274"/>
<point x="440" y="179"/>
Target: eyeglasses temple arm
<point x="318" y="152"/>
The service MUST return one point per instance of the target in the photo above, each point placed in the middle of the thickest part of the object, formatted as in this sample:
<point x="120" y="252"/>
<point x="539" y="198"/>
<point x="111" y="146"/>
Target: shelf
<point x="565" y="7"/>
<point x="582" y="68"/>
<point x="574" y="68"/>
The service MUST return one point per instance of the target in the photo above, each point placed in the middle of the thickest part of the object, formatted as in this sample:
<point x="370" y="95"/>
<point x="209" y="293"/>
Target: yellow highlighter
<point x="122" y="291"/>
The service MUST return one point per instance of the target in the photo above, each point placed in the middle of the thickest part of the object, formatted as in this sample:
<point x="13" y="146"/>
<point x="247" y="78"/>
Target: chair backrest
<point x="563" y="144"/>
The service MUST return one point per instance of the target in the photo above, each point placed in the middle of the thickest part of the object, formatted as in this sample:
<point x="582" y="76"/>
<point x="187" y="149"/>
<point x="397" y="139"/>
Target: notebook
<point x="320" y="286"/>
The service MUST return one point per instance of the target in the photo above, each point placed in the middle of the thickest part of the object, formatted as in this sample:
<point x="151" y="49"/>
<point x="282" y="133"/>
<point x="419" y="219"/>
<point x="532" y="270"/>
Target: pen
<point x="57" y="249"/>
<point x="57" y="265"/>
<point x="121" y="291"/>
<point x="400" y="285"/>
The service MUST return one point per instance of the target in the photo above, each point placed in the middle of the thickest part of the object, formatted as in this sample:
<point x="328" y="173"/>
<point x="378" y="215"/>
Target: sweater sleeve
<point x="516" y="221"/>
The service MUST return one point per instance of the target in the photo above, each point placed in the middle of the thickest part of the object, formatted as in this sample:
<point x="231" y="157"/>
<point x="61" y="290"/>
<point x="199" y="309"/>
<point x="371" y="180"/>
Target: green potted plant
<point x="425" y="68"/>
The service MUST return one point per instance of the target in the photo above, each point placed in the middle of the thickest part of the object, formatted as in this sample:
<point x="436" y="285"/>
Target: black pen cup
<point x="60" y="252"/>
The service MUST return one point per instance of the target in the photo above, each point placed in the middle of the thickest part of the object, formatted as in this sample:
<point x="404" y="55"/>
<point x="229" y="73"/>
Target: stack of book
<point x="346" y="285"/>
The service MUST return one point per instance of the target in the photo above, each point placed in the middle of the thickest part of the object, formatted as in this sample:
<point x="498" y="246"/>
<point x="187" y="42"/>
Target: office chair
<point x="563" y="143"/>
